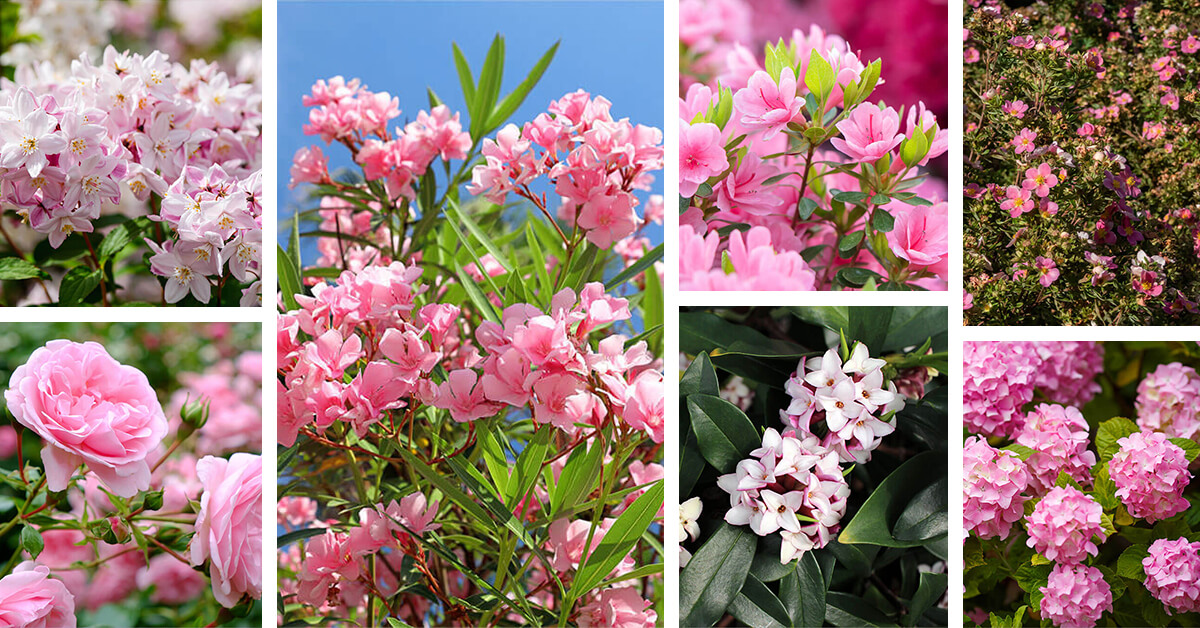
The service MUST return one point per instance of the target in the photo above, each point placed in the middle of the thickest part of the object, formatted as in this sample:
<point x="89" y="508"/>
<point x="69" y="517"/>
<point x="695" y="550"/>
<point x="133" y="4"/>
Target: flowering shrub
<point x="470" y="421"/>
<point x="822" y="497"/>
<point x="1080" y="157"/>
<point x="115" y="512"/>
<point x="1072" y="517"/>
<point x="111" y="155"/>
<point x="791" y="177"/>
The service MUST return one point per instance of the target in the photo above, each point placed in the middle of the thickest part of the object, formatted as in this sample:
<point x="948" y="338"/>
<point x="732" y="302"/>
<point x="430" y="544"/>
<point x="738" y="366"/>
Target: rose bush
<point x="812" y="484"/>
<point x="1080" y="157"/>
<point x="471" y="395"/>
<point x="106" y="525"/>
<point x="1072" y="514"/>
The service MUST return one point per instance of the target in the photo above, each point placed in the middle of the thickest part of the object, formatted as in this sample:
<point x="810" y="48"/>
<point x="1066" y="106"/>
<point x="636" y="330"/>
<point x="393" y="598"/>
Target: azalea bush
<point x="791" y="176"/>
<point x="1074" y="514"/>
<point x="470" y="388"/>
<point x="1080" y="156"/>
<point x="128" y="176"/>
<point x="813" y="481"/>
<point x="130" y="478"/>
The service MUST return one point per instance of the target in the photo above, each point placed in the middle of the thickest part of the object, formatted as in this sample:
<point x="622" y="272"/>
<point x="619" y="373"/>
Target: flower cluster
<point x="1150" y="473"/>
<point x="1168" y="401"/>
<point x="1172" y="572"/>
<point x="998" y="379"/>
<point x="1059" y="439"/>
<point x="851" y="399"/>
<point x="1076" y="595"/>
<point x="1067" y="374"/>
<point x="994" y="483"/>
<point x="190" y="136"/>
<point x="792" y="484"/>
<point x="790" y="143"/>
<point x="1062" y="525"/>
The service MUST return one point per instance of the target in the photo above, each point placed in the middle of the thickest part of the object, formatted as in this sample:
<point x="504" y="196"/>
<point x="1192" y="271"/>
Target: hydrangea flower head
<point x="993" y="485"/>
<point x="1062" y="525"/>
<point x="1058" y="436"/>
<point x="1068" y="370"/>
<point x="998" y="379"/>
<point x="1150" y="473"/>
<point x="1168" y="401"/>
<point x="1075" y="595"/>
<point x="1173" y="574"/>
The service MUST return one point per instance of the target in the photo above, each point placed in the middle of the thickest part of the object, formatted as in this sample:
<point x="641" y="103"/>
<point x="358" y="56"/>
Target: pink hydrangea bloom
<point x="1068" y="371"/>
<point x="89" y="409"/>
<point x="30" y="598"/>
<point x="869" y="133"/>
<point x="998" y="379"/>
<point x="1173" y="574"/>
<point x="1075" y="595"/>
<point x="701" y="155"/>
<point x="1058" y="437"/>
<point x="1168" y="401"/>
<point x="1062" y="525"/>
<point x="993" y="485"/>
<point x="229" y="526"/>
<point x="1150" y="473"/>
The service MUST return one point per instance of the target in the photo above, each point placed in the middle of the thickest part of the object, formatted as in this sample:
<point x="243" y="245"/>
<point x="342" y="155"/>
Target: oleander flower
<point x="1075" y="595"/>
<point x="994" y="482"/>
<point x="1150" y="473"/>
<point x="229" y="526"/>
<point x="1058" y="437"/>
<point x="89" y="409"/>
<point x="1062" y="525"/>
<point x="998" y="379"/>
<point x="1168" y="401"/>
<point x="1173" y="574"/>
<point x="30" y="598"/>
<point x="1068" y="370"/>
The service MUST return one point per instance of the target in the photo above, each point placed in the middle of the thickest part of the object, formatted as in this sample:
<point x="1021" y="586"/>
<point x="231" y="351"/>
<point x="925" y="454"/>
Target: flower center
<point x="28" y="145"/>
<point x="183" y="274"/>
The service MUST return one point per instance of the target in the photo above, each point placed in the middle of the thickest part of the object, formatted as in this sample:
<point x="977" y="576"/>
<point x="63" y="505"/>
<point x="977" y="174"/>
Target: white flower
<point x="689" y="511"/>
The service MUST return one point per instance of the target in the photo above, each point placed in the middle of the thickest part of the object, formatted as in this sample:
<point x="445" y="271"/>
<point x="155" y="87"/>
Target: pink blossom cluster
<point x="594" y="161"/>
<point x="1058" y="436"/>
<point x="998" y="380"/>
<point x="792" y="484"/>
<point x="233" y="391"/>
<point x="1075" y="595"/>
<point x="994" y="483"/>
<point x="189" y="135"/>
<point x="1150" y="473"/>
<point x="1068" y="371"/>
<point x="371" y="348"/>
<point x="1173" y="574"/>
<point x="1063" y="524"/>
<point x="1168" y="401"/>
<point x="755" y="262"/>
<point x="852" y="400"/>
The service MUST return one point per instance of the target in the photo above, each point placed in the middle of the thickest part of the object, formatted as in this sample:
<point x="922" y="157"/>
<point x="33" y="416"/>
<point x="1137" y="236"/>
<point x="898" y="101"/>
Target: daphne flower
<point x="689" y="512"/>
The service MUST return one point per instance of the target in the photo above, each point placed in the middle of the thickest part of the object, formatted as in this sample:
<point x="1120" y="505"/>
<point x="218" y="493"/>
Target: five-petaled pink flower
<point x="1024" y="141"/>
<point x="1040" y="179"/>
<point x="1047" y="271"/>
<point x="701" y="155"/>
<point x="869" y="132"/>
<point x="1018" y="201"/>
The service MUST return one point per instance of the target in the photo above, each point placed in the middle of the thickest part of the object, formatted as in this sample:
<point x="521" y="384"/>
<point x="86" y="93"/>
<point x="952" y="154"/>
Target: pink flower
<point x="460" y="395"/>
<point x="229" y="526"/>
<point x="174" y="581"/>
<point x="29" y="598"/>
<point x="869" y="132"/>
<point x="993" y="485"/>
<point x="30" y="137"/>
<point x="1016" y="108"/>
<point x="608" y="217"/>
<point x="309" y="165"/>
<point x="1062" y="525"/>
<point x="1190" y="45"/>
<point x="1168" y="401"/>
<point x="1151" y="474"/>
<point x="563" y="400"/>
<point x="328" y="563"/>
<point x="1018" y="201"/>
<point x="296" y="511"/>
<point x="1067" y="374"/>
<point x="1058" y="437"/>
<point x="1170" y="100"/>
<point x="920" y="236"/>
<point x="1023" y="142"/>
<point x="1047" y="270"/>
<point x="89" y="409"/>
<point x="1173" y="574"/>
<point x="1153" y="130"/>
<point x="745" y="189"/>
<point x="1075" y="595"/>
<point x="701" y="155"/>
<point x="998" y="379"/>
<point x="644" y="404"/>
<point x="1040" y="179"/>
<point x="618" y="606"/>
<point x="767" y="104"/>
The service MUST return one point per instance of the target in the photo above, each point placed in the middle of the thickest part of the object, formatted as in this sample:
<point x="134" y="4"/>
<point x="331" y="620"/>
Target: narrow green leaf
<point x="619" y="540"/>
<point x="495" y="460"/>
<point x="848" y="245"/>
<point x="289" y="278"/>
<point x="465" y="79"/>
<point x="724" y="433"/>
<point x="637" y="268"/>
<point x="528" y="467"/>
<point x="117" y="240"/>
<point x="700" y="378"/>
<point x="454" y="213"/>
<point x="578" y="477"/>
<point x="513" y="101"/>
<point x="298" y="535"/>
<point x="757" y="606"/>
<point x="803" y="592"/>
<point x="488" y="89"/>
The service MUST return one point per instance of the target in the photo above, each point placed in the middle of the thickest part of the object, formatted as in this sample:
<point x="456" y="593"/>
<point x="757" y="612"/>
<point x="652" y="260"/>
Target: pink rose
<point x="89" y="409"/>
<point x="229" y="525"/>
<point x="31" y="599"/>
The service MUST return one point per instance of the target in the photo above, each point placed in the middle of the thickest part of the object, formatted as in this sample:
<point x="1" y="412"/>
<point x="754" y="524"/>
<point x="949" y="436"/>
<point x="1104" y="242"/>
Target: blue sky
<point x="609" y="48"/>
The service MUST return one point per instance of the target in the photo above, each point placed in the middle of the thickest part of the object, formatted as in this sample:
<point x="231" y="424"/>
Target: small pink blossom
<point x="768" y="104"/>
<point x="1040" y="179"/>
<point x="1015" y="108"/>
<point x="869" y="133"/>
<point x="701" y="155"/>
<point x="1023" y="142"/>
<point x="1018" y="201"/>
<point x="1047" y="270"/>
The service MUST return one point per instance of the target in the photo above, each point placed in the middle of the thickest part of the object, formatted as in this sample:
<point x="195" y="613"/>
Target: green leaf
<point x="293" y="249"/>
<point x="118" y="239"/>
<point x="844" y="609"/>
<point x="805" y="208"/>
<point x="528" y="468"/>
<point x="724" y="433"/>
<point x="453" y="493"/>
<point x="882" y="220"/>
<point x="803" y="592"/>
<point x="1021" y="451"/>
<point x="298" y="535"/>
<point x="819" y="78"/>
<point x="1190" y="448"/>
<point x="545" y="287"/>
<point x="289" y="278"/>
<point x="1129" y="565"/>
<point x="849" y="243"/>
<point x="907" y="509"/>
<point x="578" y="477"/>
<point x="831" y="317"/>
<point x="77" y="285"/>
<point x="454" y="213"/>
<point x="619" y="540"/>
<point x="1108" y="434"/>
<point x="857" y="277"/>
<point x="31" y="541"/>
<point x="756" y="606"/>
<point x="715" y="574"/>
<point x="700" y="378"/>
<point x="488" y="89"/>
<point x="513" y="101"/>
<point x="931" y="589"/>
<point x="1104" y="490"/>
<point x="852" y="198"/>
<point x="476" y="296"/>
<point x="16" y="268"/>
<point x="495" y="461"/>
<point x="637" y="268"/>
<point x="465" y="78"/>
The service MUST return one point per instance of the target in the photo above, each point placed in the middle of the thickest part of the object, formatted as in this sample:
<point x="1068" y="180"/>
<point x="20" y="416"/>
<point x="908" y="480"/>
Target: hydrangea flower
<point x="1173" y="574"/>
<point x="1168" y="401"/>
<point x="998" y="379"/>
<point x="1150" y="473"/>
<point x="993" y="485"/>
<point x="1058" y="437"/>
<point x="1075" y="595"/>
<point x="1068" y="370"/>
<point x="1062" y="525"/>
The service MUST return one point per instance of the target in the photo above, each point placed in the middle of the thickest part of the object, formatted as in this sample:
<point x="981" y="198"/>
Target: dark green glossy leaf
<point x="756" y="606"/>
<point x="904" y="506"/>
<point x="803" y="592"/>
<point x="724" y="433"/>
<point x="843" y="609"/>
<point x="700" y="378"/>
<point x="715" y="574"/>
<point x="77" y="285"/>
<point x="931" y="589"/>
